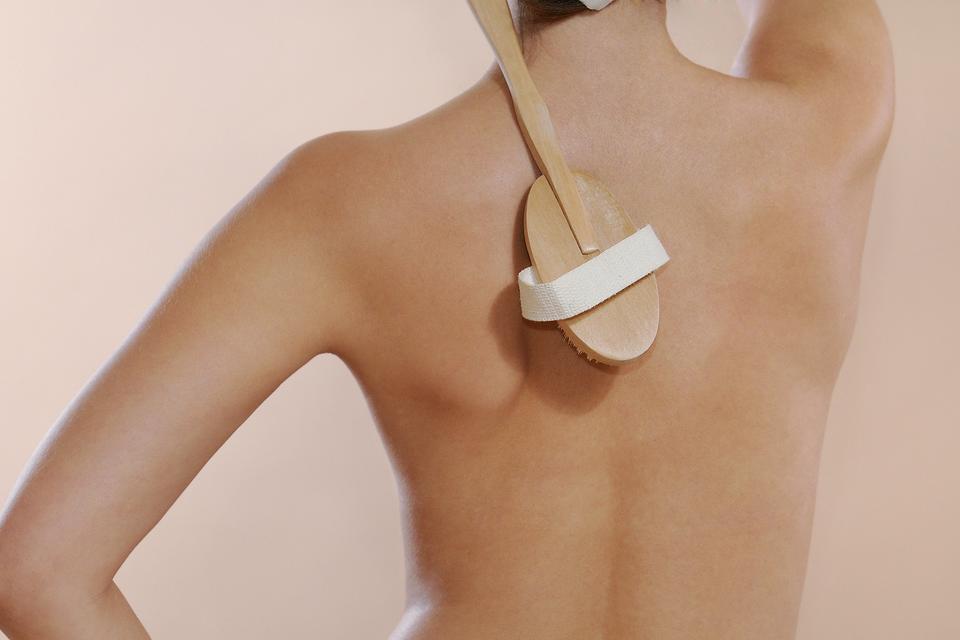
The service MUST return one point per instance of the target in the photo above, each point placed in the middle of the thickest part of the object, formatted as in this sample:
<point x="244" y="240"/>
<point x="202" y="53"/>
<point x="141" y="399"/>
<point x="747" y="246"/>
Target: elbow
<point x="19" y="599"/>
<point x="24" y="591"/>
<point x="32" y="592"/>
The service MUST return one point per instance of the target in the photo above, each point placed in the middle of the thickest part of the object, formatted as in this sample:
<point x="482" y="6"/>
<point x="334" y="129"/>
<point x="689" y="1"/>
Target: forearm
<point x="61" y="616"/>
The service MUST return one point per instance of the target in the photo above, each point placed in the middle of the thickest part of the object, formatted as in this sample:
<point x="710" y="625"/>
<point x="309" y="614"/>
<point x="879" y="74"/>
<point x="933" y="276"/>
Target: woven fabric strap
<point x="589" y="284"/>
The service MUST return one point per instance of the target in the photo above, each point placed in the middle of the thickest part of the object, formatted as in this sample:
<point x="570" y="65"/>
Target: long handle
<point x="533" y="116"/>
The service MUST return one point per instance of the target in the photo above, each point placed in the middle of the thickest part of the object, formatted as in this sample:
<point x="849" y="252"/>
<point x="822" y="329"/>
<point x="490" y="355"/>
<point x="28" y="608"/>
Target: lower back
<point x="656" y="503"/>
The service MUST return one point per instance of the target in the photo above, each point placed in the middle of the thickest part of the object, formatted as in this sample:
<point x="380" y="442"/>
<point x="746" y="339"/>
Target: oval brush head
<point x="622" y="327"/>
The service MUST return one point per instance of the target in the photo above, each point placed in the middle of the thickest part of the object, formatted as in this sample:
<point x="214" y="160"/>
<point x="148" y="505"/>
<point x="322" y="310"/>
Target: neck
<point x="598" y="63"/>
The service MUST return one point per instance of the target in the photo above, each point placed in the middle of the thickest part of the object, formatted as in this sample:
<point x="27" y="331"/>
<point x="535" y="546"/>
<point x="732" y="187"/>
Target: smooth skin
<point x="543" y="496"/>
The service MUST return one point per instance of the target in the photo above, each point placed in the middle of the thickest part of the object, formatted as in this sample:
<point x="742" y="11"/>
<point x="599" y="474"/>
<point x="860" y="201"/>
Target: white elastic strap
<point x="597" y="279"/>
<point x="596" y="5"/>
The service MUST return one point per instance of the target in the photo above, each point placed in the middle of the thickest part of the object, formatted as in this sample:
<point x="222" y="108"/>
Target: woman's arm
<point x="834" y="57"/>
<point x="802" y="40"/>
<point x="265" y="291"/>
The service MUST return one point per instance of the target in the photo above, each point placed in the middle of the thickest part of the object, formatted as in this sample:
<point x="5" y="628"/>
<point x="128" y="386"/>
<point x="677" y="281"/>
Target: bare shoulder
<point x="353" y="195"/>
<point x="830" y="66"/>
<point x="297" y="223"/>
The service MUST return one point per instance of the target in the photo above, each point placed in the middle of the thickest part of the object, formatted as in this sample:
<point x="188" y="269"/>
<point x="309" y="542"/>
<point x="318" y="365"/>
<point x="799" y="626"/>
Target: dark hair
<point x="539" y="11"/>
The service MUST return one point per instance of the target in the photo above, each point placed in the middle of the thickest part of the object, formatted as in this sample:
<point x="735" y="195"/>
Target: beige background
<point x="128" y="129"/>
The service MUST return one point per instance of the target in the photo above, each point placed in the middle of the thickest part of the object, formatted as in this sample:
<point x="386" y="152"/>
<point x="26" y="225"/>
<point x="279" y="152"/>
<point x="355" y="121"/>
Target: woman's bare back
<point x="548" y="497"/>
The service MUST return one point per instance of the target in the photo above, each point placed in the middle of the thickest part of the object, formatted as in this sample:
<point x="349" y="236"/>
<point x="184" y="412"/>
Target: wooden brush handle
<point x="534" y="118"/>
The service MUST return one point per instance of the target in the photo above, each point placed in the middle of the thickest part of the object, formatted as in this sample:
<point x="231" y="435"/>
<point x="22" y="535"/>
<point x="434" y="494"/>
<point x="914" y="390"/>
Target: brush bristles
<point x="573" y="344"/>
